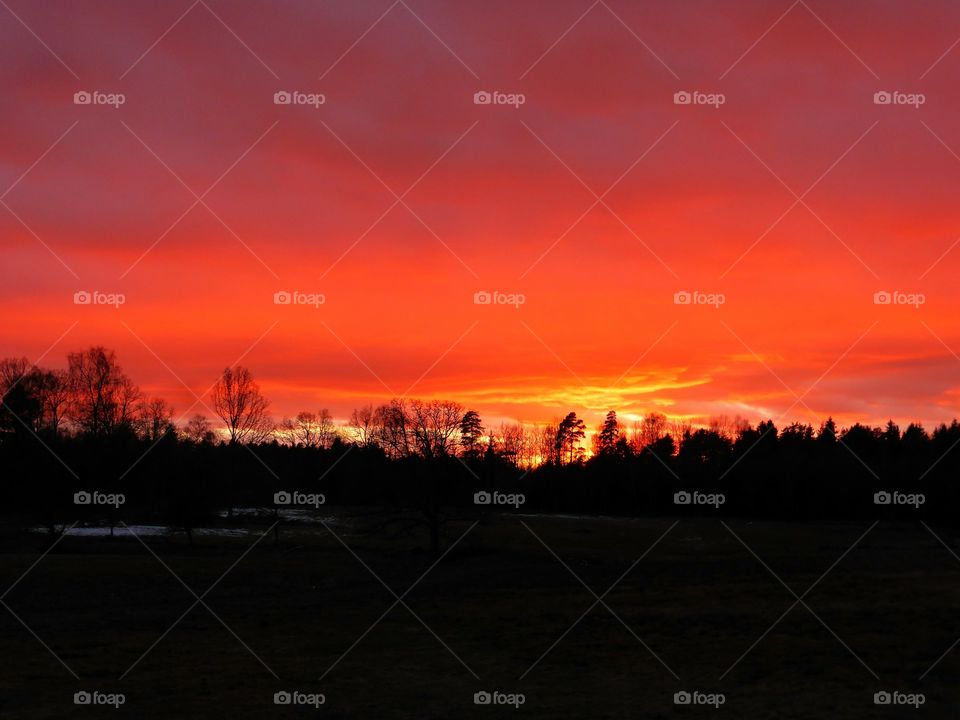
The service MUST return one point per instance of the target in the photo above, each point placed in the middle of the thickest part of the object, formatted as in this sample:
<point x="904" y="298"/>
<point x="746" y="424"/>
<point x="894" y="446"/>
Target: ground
<point x="492" y="607"/>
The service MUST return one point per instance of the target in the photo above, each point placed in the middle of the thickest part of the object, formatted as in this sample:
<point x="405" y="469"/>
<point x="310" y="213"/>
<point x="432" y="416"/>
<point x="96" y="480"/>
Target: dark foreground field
<point x="482" y="618"/>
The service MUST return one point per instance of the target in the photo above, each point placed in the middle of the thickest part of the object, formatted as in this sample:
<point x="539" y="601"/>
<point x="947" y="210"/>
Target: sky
<point x="587" y="200"/>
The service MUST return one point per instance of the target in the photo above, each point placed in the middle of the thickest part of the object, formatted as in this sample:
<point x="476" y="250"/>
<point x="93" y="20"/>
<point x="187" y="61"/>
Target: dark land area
<point x="493" y="604"/>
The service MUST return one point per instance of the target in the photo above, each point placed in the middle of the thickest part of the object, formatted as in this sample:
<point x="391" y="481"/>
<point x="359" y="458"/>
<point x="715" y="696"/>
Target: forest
<point x="86" y="445"/>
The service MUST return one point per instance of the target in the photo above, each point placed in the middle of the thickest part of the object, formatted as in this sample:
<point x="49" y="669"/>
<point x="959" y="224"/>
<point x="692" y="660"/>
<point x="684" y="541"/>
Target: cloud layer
<point x="599" y="198"/>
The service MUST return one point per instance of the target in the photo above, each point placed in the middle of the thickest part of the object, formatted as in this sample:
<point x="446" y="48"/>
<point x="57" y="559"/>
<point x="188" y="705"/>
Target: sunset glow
<point x="399" y="198"/>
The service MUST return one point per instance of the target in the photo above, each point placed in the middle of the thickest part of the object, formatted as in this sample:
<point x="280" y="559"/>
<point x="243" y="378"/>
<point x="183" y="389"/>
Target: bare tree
<point x="428" y="432"/>
<point x="544" y="438"/>
<point x="20" y="405"/>
<point x="154" y="418"/>
<point x="101" y="397"/>
<point x="435" y="425"/>
<point x="513" y="442"/>
<point x="519" y="444"/>
<point x="679" y="427"/>
<point x="362" y="425"/>
<point x="12" y="371"/>
<point x="198" y="429"/>
<point x="55" y="393"/>
<point x="727" y="427"/>
<point x="649" y="430"/>
<point x="309" y="429"/>
<point x="241" y="406"/>
<point x="526" y="446"/>
<point x="37" y="397"/>
<point x="392" y="429"/>
<point x="413" y="427"/>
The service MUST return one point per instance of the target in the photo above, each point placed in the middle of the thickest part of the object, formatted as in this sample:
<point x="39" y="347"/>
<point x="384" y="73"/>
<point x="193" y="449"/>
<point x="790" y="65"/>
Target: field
<point x="494" y="614"/>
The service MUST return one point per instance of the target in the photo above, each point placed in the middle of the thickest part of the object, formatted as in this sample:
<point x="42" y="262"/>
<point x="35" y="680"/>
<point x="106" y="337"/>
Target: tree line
<point x="89" y="427"/>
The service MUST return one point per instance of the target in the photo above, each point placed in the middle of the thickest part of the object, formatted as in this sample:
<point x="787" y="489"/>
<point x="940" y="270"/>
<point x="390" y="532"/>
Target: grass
<point x="493" y="606"/>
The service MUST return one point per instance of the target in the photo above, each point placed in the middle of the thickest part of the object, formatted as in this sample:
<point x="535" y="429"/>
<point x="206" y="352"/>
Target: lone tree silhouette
<point x="237" y="400"/>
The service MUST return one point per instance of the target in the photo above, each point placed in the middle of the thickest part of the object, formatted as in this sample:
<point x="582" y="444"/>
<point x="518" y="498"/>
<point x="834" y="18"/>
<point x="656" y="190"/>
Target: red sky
<point x="301" y="198"/>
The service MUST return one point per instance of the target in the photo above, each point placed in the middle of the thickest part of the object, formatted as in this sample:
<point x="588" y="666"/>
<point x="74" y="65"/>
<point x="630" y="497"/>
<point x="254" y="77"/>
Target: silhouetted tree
<point x="22" y="408"/>
<point x="102" y="399"/>
<point x="570" y="433"/>
<point x="241" y="406"/>
<point x="362" y="425"/>
<point x="471" y="432"/>
<point x="154" y="418"/>
<point x="199" y="430"/>
<point x="310" y="429"/>
<point x="607" y="439"/>
<point x="404" y="458"/>
<point x="391" y="429"/>
<point x="434" y="425"/>
<point x="649" y="430"/>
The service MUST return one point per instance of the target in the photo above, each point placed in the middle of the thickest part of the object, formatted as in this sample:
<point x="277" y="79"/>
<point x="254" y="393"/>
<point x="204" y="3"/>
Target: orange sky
<point x="304" y="198"/>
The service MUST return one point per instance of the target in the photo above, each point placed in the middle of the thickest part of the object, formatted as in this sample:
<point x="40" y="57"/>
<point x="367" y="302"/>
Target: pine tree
<point x="607" y="437"/>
